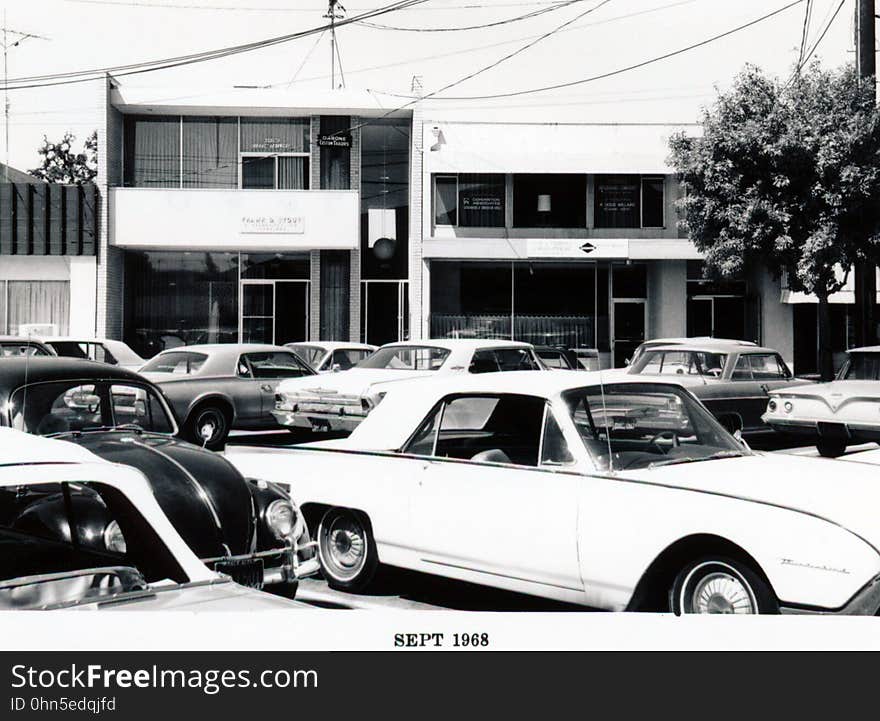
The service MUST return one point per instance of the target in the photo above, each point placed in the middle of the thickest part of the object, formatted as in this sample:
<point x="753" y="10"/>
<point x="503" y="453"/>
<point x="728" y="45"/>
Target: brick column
<point x="417" y="307"/>
<point x="354" y="299"/>
<point x="315" y="295"/>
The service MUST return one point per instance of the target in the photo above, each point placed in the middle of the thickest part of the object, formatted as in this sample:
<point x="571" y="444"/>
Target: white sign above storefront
<point x="577" y="248"/>
<point x="272" y="224"/>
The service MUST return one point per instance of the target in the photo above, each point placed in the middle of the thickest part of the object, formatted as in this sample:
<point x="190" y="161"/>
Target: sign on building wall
<point x="342" y="140"/>
<point x="617" y="204"/>
<point x="481" y="200"/>
<point x="273" y="224"/>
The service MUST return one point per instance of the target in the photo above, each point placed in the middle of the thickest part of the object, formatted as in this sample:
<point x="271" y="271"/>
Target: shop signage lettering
<point x="342" y="140"/>
<point x="272" y="224"/>
<point x="480" y="203"/>
<point x="273" y="145"/>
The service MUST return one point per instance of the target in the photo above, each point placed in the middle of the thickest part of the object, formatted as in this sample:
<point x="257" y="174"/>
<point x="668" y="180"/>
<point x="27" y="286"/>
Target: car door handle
<point x="765" y="388"/>
<point x="266" y="387"/>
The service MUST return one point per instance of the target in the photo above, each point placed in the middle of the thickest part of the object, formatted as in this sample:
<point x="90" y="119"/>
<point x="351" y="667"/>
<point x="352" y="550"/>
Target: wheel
<point x="720" y="585"/>
<point x="830" y="448"/>
<point x="208" y="426"/>
<point x="346" y="550"/>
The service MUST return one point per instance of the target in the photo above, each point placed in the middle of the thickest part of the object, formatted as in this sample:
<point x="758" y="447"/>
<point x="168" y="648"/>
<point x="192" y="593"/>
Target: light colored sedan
<point x="627" y="495"/>
<point x="836" y="414"/>
<point x="139" y="562"/>
<point x="339" y="402"/>
<point x="103" y="350"/>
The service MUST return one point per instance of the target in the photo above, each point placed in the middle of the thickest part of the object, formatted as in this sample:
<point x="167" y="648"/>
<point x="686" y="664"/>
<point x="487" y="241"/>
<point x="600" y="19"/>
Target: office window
<point x="275" y="153"/>
<point x="210" y="152"/>
<point x="542" y="200"/>
<point x="481" y="200"/>
<point x="446" y="200"/>
<point x="152" y="152"/>
<point x="617" y="201"/>
<point x="652" y="203"/>
<point x="336" y="159"/>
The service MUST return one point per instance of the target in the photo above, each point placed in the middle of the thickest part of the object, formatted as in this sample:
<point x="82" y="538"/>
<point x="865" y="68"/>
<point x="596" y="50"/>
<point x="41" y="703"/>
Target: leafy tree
<point x="61" y="165"/>
<point x="786" y="176"/>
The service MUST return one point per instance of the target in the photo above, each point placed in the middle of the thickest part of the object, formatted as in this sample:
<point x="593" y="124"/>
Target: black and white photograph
<point x="431" y="325"/>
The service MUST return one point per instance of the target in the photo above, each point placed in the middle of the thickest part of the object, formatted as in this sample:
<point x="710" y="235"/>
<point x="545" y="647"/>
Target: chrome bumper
<point x="810" y="426"/>
<point x="320" y="422"/>
<point x="865" y="603"/>
<point x="291" y="566"/>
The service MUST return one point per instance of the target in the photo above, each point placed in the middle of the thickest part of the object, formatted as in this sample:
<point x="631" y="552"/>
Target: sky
<point x="596" y="37"/>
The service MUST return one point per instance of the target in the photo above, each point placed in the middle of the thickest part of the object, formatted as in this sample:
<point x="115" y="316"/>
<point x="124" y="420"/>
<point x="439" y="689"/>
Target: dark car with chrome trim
<point x="246" y="528"/>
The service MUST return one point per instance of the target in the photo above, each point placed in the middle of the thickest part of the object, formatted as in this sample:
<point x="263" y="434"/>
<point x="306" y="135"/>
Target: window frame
<point x="662" y="179"/>
<point x="275" y="156"/>
<point x="444" y="176"/>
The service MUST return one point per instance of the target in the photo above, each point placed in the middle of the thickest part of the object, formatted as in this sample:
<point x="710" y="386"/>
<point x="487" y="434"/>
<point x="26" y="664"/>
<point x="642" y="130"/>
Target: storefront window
<point x="446" y="200"/>
<point x="275" y="266"/>
<point x="335" y="159"/>
<point x="543" y="200"/>
<point x="180" y="298"/>
<point x="210" y="152"/>
<point x="34" y="302"/>
<point x="152" y="152"/>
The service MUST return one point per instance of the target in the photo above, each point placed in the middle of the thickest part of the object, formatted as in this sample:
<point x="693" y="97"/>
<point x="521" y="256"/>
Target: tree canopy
<point x="60" y="164"/>
<point x="786" y="176"/>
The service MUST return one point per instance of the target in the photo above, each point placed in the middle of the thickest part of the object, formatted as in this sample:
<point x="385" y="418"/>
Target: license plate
<point x="319" y="425"/>
<point x="832" y="430"/>
<point x="246" y="571"/>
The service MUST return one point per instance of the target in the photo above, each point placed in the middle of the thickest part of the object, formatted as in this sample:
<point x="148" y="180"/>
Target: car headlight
<point x="788" y="406"/>
<point x="284" y="403"/>
<point x="284" y="519"/>
<point x="771" y="406"/>
<point x="372" y="400"/>
<point x="114" y="541"/>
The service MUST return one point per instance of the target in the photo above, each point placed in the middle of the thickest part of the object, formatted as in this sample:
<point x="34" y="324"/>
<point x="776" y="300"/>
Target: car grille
<point x="247" y="572"/>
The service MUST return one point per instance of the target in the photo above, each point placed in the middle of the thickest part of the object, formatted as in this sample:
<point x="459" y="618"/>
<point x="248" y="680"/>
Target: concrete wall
<point x="777" y="318"/>
<point x="667" y="299"/>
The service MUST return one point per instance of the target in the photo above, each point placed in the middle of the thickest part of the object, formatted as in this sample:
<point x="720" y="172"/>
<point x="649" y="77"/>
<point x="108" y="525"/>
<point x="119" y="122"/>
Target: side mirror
<point x="739" y="439"/>
<point x="336" y="367"/>
<point x="627" y="361"/>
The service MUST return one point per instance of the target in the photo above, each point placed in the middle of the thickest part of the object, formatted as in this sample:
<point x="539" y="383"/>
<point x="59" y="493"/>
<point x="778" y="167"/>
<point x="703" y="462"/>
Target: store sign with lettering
<point x="272" y="224"/>
<point x="342" y="140"/>
<point x="481" y="208"/>
<point x="618" y="204"/>
<point x="272" y="145"/>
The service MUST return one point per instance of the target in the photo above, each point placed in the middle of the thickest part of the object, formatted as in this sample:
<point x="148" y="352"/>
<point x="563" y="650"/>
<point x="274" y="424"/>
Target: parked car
<point x="247" y="528"/>
<point x="836" y="414"/>
<point x="215" y="388"/>
<point x="340" y="402"/>
<point x="701" y="340"/>
<point x="104" y="350"/>
<point x="330" y="356"/>
<point x="628" y="495"/>
<point x="12" y="346"/>
<point x="555" y="358"/>
<point x="81" y="533"/>
<point x="733" y="381"/>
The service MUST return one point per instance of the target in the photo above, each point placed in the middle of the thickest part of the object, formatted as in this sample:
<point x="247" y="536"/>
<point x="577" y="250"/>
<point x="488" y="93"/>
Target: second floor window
<point x="469" y="200"/>
<point x="629" y="201"/>
<point x="545" y="200"/>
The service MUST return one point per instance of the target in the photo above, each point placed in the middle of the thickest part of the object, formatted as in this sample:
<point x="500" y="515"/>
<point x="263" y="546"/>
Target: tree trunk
<point x="826" y="364"/>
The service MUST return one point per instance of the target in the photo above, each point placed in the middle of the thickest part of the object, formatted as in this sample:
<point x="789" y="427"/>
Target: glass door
<point x="291" y="311"/>
<point x="257" y="311"/>
<point x="384" y="311"/>
<point x="274" y="311"/>
<point x="628" y="328"/>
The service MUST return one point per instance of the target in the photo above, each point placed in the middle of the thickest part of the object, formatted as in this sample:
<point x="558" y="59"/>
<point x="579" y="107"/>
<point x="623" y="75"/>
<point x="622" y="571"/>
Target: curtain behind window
<point x="210" y="153"/>
<point x="39" y="301"/>
<point x="293" y="173"/>
<point x="275" y="135"/>
<point x="152" y="152"/>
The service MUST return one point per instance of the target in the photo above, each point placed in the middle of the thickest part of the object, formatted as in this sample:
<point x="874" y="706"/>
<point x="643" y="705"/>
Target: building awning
<point x="548" y="148"/>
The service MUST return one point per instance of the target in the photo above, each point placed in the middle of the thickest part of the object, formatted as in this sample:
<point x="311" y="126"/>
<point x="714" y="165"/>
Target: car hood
<point x="845" y="494"/>
<point x="356" y="381"/>
<point x="206" y="499"/>
<point x="833" y="390"/>
<point x="221" y="596"/>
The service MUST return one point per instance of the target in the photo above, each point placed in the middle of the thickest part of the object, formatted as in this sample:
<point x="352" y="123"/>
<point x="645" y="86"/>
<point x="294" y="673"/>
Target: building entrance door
<point x="628" y="329"/>
<point x="384" y="311"/>
<point x="274" y="311"/>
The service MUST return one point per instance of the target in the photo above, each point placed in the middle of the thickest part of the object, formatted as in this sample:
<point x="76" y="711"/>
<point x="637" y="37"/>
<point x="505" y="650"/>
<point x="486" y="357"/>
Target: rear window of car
<point x="9" y="350"/>
<point x="406" y="357"/>
<point x="273" y="364"/>
<point x="861" y="367"/>
<point x="176" y="362"/>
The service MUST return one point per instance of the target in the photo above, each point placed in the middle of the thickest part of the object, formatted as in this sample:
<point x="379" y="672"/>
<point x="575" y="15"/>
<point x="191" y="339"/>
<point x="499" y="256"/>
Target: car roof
<point x="19" y="339"/>
<point x="331" y="344"/>
<point x="406" y="402"/>
<point x="227" y="348"/>
<point x="17" y="447"/>
<point x="461" y="343"/>
<point x="711" y="348"/>
<point x="699" y="339"/>
<point x="865" y="349"/>
<point x="15" y="372"/>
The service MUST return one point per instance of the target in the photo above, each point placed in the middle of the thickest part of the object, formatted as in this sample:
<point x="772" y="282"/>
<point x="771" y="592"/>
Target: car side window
<point x="243" y="369"/>
<point x="275" y="364"/>
<point x="484" y="361"/>
<point x="765" y="366"/>
<point x="742" y="371"/>
<point x="491" y="429"/>
<point x="422" y="442"/>
<point x="516" y="359"/>
<point x="554" y="448"/>
<point x="100" y="353"/>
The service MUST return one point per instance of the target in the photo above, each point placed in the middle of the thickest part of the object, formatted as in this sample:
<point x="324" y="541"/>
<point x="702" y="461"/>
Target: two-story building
<point x="252" y="215"/>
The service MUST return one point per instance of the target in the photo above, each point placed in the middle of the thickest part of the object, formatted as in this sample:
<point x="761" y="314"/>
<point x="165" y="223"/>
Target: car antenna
<point x="605" y="420"/>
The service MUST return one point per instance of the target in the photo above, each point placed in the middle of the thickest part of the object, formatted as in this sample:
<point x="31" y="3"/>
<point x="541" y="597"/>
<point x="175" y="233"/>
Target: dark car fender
<point x="264" y="494"/>
<point x="180" y="395"/>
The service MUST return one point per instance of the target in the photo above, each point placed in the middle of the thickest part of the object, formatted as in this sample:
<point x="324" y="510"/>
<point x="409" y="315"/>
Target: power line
<point x="822" y="35"/>
<point x="619" y="71"/>
<point x="54" y="79"/>
<point x="497" y="23"/>
<point x="277" y="9"/>
<point x="805" y="33"/>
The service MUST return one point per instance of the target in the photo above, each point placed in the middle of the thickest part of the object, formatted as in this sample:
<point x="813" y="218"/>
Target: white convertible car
<point x="339" y="402"/>
<point x="836" y="414"/>
<point x="617" y="496"/>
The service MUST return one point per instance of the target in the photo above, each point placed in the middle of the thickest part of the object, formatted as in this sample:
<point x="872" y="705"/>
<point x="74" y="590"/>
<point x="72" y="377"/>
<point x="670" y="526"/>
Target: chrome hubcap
<point x="721" y="592"/>
<point x="345" y="547"/>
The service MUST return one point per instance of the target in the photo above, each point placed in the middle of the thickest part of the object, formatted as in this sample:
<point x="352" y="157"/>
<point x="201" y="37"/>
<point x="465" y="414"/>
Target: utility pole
<point x="19" y="38"/>
<point x="335" y="12"/>
<point x="866" y="273"/>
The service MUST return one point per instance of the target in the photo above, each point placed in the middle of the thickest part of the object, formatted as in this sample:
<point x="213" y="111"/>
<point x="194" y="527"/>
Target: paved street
<point x="400" y="589"/>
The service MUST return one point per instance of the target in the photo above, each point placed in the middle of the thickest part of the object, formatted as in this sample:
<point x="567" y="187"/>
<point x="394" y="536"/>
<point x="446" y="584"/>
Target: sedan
<point x="620" y="496"/>
<point x="81" y="533"/>
<point x="103" y="350"/>
<point x="331" y="356"/>
<point x="215" y="388"/>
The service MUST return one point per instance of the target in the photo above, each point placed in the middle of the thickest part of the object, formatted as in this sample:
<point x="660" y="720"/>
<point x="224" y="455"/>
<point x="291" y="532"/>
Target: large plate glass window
<point x="446" y="200"/>
<point x="210" y="152"/>
<point x="275" y="153"/>
<point x="617" y="201"/>
<point x="152" y="151"/>
<point x="549" y="200"/>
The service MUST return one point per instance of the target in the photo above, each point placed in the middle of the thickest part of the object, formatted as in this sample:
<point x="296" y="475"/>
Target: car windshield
<point x="406" y="357"/>
<point x="628" y="426"/>
<point x="177" y="362"/>
<point x="861" y="367"/>
<point x="70" y="543"/>
<point x="680" y="362"/>
<point x="47" y="409"/>
<point x="19" y="350"/>
<point x="554" y="359"/>
<point x="311" y="354"/>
